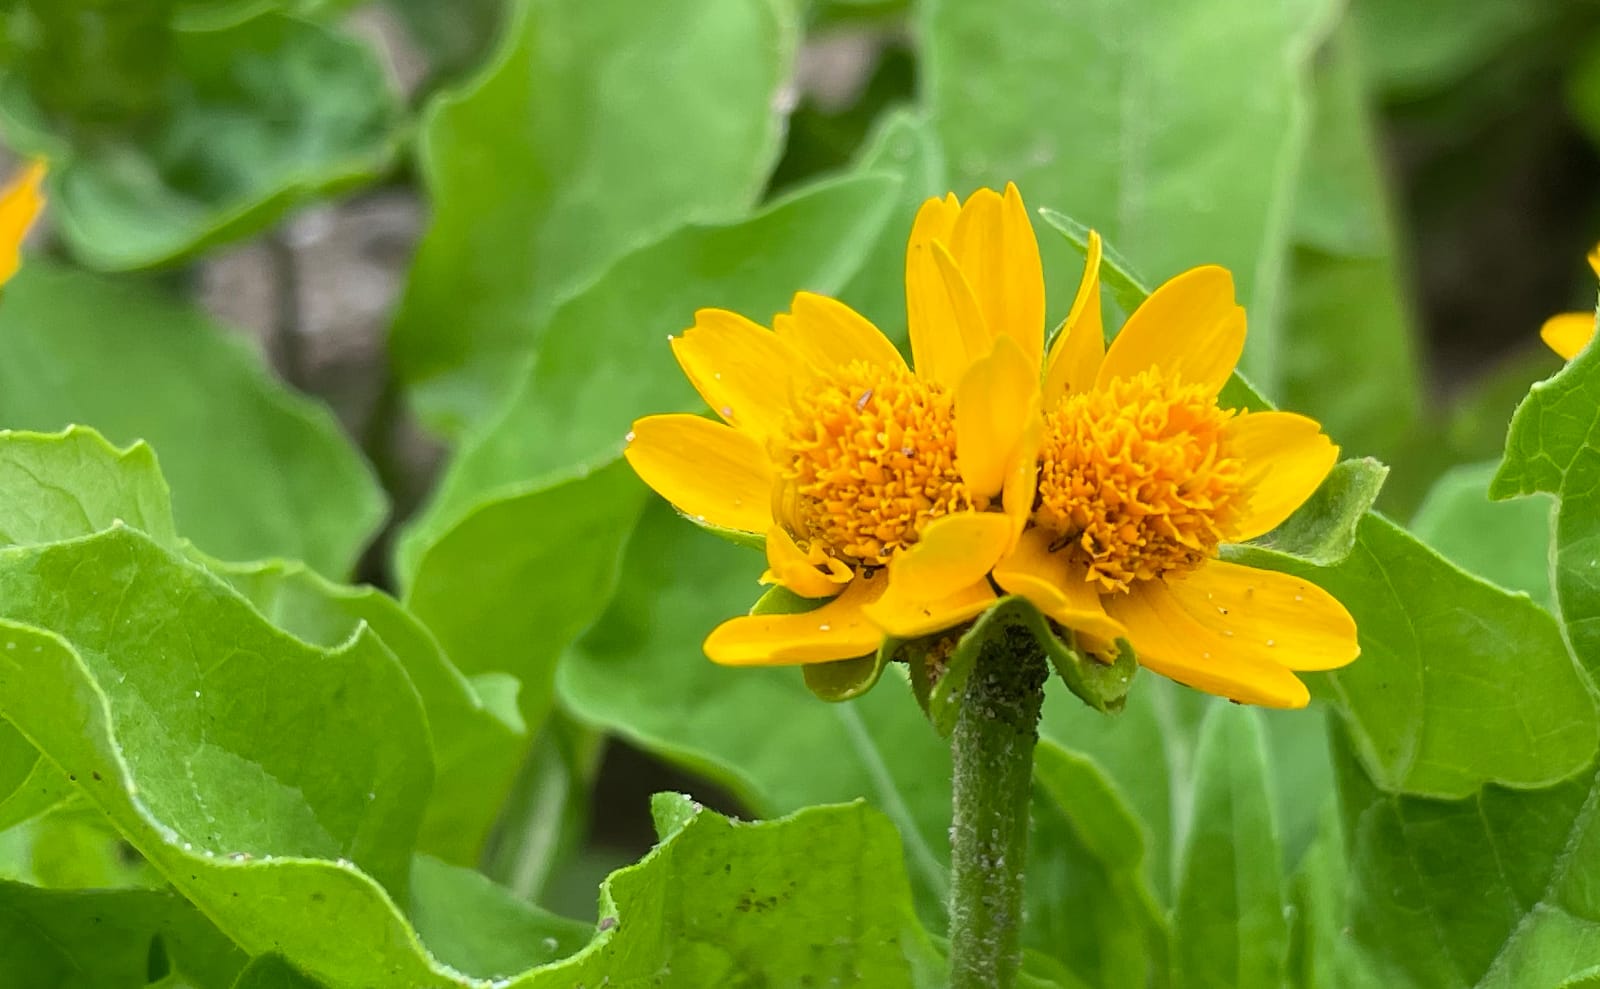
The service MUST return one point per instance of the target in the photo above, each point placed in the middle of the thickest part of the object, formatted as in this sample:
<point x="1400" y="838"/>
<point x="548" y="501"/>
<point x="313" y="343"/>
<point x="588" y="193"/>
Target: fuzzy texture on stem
<point x="992" y="749"/>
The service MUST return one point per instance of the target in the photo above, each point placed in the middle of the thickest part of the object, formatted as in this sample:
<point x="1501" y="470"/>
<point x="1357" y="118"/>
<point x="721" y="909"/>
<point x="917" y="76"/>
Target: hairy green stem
<point x="992" y="749"/>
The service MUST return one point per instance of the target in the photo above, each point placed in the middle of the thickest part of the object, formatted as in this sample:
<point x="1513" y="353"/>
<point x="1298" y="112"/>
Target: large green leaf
<point x="255" y="470"/>
<point x="1428" y="688"/>
<point x="1507" y="542"/>
<point x="224" y="722"/>
<point x="1553" y="448"/>
<point x="1124" y="116"/>
<point x="478" y="734"/>
<point x="596" y="128"/>
<point x="817" y="898"/>
<point x="108" y="939"/>
<point x="1229" y="928"/>
<point x="239" y="124"/>
<point x="514" y="583"/>
<point x="604" y="360"/>
<point x="1349" y="358"/>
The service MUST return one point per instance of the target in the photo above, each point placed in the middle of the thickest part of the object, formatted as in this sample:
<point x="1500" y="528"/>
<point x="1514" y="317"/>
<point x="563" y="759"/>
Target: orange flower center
<point x="867" y="460"/>
<point x="1137" y="479"/>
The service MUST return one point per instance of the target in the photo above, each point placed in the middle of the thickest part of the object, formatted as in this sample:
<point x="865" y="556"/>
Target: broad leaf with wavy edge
<point x="596" y="128"/>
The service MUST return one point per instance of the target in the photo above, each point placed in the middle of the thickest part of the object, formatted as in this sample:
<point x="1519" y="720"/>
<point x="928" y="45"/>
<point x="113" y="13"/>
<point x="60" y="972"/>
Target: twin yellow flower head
<point x="1096" y="483"/>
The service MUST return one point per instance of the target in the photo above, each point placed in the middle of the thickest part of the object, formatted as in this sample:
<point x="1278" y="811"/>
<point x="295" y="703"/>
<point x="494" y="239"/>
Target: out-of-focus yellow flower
<point x="843" y="458"/>
<point x="1142" y="477"/>
<point x="1570" y="332"/>
<point x="20" y="203"/>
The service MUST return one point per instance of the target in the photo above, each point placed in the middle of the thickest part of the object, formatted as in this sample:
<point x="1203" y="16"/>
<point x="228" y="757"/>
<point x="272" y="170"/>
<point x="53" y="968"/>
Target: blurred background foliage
<point x="466" y="227"/>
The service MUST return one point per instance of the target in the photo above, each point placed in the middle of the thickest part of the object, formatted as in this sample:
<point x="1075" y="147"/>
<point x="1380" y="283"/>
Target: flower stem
<point x="992" y="749"/>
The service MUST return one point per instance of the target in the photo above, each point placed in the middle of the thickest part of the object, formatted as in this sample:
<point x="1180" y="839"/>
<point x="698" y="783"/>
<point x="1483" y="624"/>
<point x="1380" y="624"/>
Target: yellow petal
<point x="1285" y="457"/>
<point x="995" y="402"/>
<point x="837" y="630"/>
<point x="908" y="618"/>
<point x="1594" y="260"/>
<point x="1052" y="585"/>
<point x="1170" y="642"/>
<point x="1190" y="326"/>
<point x="809" y="573"/>
<point x="1081" y="345"/>
<point x="20" y="203"/>
<point x="708" y="471"/>
<point x="742" y="370"/>
<point x="829" y="334"/>
<point x="950" y="555"/>
<point x="1268" y="616"/>
<point x="1568" y="333"/>
<point x="947" y="329"/>
<point x="1022" y="482"/>
<point x="994" y="246"/>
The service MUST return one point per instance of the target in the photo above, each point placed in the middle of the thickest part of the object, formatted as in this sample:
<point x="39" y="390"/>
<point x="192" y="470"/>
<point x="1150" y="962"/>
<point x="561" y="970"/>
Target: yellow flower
<point x="20" y="203"/>
<point x="1098" y="484"/>
<point x="1142" y="477"/>
<point x="1569" y="332"/>
<point x="842" y="457"/>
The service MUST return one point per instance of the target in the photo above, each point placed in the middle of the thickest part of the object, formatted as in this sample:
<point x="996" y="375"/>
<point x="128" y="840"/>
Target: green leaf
<point x="473" y="925"/>
<point x="640" y="674"/>
<point x="781" y="902"/>
<point x="1089" y="902"/>
<point x="1349" y="356"/>
<point x="1493" y="891"/>
<point x="1229" y="928"/>
<point x="205" y="703"/>
<point x="234" y="444"/>
<point x="595" y="129"/>
<point x="71" y="846"/>
<point x="1507" y="542"/>
<point x="106" y="939"/>
<point x="604" y="360"/>
<point x="513" y="584"/>
<point x="1101" y="110"/>
<point x="251" y="119"/>
<point x="1432" y="682"/>
<point x="477" y="737"/>
<point x="272" y="972"/>
<point x="73" y="483"/>
<point x="1551" y="449"/>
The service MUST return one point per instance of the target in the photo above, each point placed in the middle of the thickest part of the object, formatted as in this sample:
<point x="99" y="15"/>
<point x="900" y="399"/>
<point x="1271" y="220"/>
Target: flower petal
<point x="1190" y="326"/>
<point x="20" y="203"/>
<point x="1022" y="482"/>
<point x="707" y="470"/>
<point x="1169" y="641"/>
<point x="742" y="370"/>
<point x="996" y="400"/>
<point x="829" y="334"/>
<point x="1049" y="582"/>
<point x="837" y="630"/>
<point x="1568" y="333"/>
<point x="1268" y="616"/>
<point x="908" y="618"/>
<point x="1081" y="345"/>
<point x="947" y="328"/>
<point x="951" y="554"/>
<point x="1286" y="456"/>
<point x="1594" y="260"/>
<point x="810" y="574"/>
<point x="994" y="245"/>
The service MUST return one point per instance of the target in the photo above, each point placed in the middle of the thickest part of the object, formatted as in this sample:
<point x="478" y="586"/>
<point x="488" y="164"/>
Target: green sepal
<point x="840" y="680"/>
<point x="755" y="540"/>
<point x="940" y="668"/>
<point x="1118" y="276"/>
